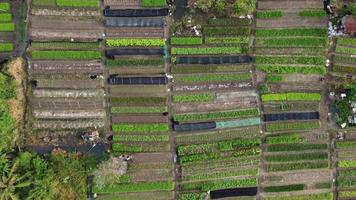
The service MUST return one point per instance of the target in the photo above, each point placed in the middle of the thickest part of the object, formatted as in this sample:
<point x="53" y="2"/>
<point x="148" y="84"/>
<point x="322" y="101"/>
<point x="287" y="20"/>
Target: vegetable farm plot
<point x="343" y="63"/>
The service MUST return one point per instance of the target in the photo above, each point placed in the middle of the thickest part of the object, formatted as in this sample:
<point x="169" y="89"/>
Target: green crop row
<point x="191" y="196"/>
<point x="226" y="41"/>
<point x="133" y="62"/>
<point x="274" y="78"/>
<point x="316" y="32"/>
<point x="215" y="31"/>
<point x="153" y="3"/>
<point x="66" y="55"/>
<point x="346" y="41"/>
<point x="313" y="13"/>
<point x="4" y="7"/>
<point x="347" y="163"/>
<point x="147" y="42"/>
<point x="347" y="194"/>
<point x="140" y="127"/>
<point x="220" y="184"/>
<point x="304" y="125"/>
<point x="344" y="59"/>
<point x="213" y="78"/>
<point x="292" y="96"/>
<point x="297" y="157"/>
<point x="346" y="182"/>
<point x="347" y="50"/>
<point x="126" y="148"/>
<point x="209" y="69"/>
<point x="322" y="196"/>
<point x="285" y="188"/>
<point x="285" y="139"/>
<point x="344" y="69"/>
<point x="342" y="173"/>
<point x="138" y="109"/>
<point x="295" y="147"/>
<point x="136" y="187"/>
<point x="78" y="3"/>
<point x="204" y="97"/>
<point x="217" y="115"/>
<point x="296" y="166"/>
<point x="346" y="144"/>
<point x="206" y="50"/>
<point x="266" y="14"/>
<point x="214" y="175"/>
<point x="292" y="69"/>
<point x="7" y="27"/>
<point x="5" y="17"/>
<point x="65" y="45"/>
<point x="291" y="42"/>
<point x="239" y="144"/>
<point x="141" y="138"/>
<point x="196" y="149"/>
<point x="6" y="47"/>
<point x="186" y="40"/>
<point x="306" y="60"/>
<point x="137" y="101"/>
<point x="229" y="22"/>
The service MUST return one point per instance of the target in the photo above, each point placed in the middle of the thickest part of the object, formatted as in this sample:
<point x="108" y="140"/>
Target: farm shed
<point x="350" y="25"/>
<point x="116" y="80"/>
<point x="291" y="116"/>
<point x="194" y="126"/>
<point x="214" y="60"/>
<point x="127" y="51"/>
<point x="233" y="192"/>
<point x="135" y="22"/>
<point x="135" y="12"/>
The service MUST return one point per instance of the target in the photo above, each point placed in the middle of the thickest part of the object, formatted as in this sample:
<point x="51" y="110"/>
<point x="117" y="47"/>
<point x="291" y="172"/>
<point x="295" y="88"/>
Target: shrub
<point x="136" y="187"/>
<point x="78" y="3"/>
<point x="66" y="55"/>
<point x="317" y="32"/>
<point x="295" y="147"/>
<point x="186" y="41"/>
<point x="7" y="87"/>
<point x="291" y="97"/>
<point x="204" y="97"/>
<point x="292" y="69"/>
<point x="213" y="78"/>
<point x="313" y="13"/>
<point x="4" y="7"/>
<point x="153" y="3"/>
<point x="140" y="127"/>
<point x="285" y="188"/>
<point x="147" y="42"/>
<point x="265" y="14"/>
<point x="297" y="157"/>
<point x="5" y="17"/>
<point x="293" y="126"/>
<point x="7" y="27"/>
<point x="206" y="50"/>
<point x="6" y="47"/>
<point x="7" y="126"/>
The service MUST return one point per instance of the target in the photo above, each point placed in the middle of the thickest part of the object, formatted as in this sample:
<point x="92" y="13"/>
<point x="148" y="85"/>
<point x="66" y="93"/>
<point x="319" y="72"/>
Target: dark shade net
<point x="291" y="116"/>
<point x="234" y="192"/>
<point x="214" y="60"/>
<point x="135" y="12"/>
<point x="126" y="51"/>
<point x="135" y="22"/>
<point x="114" y="80"/>
<point x="194" y="126"/>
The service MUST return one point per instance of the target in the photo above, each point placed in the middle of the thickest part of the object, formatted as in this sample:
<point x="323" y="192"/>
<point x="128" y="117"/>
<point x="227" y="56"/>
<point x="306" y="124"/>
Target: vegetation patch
<point x="153" y="3"/>
<point x="5" y="17"/>
<point x="280" y="69"/>
<point x="291" y="97"/>
<point x="64" y="45"/>
<point x="217" y="115"/>
<point x="7" y="27"/>
<point x="296" y="166"/>
<point x="267" y="14"/>
<point x="146" y="42"/>
<point x="78" y="3"/>
<point x="220" y="184"/>
<point x="285" y="139"/>
<point x="297" y="157"/>
<point x="306" y="60"/>
<point x="186" y="40"/>
<point x="204" y="97"/>
<point x="313" y="13"/>
<point x="293" y="126"/>
<point x="66" y="55"/>
<point x="138" y="109"/>
<point x="213" y="78"/>
<point x="285" y="188"/>
<point x="316" y="32"/>
<point x="6" y="47"/>
<point x="296" y="147"/>
<point x="207" y="50"/>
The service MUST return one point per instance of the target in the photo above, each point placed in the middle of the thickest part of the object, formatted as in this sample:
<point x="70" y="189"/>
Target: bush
<point x="206" y="50"/>
<point x="147" y="42"/>
<point x="316" y="32"/>
<point x="66" y="55"/>
<point x="153" y="3"/>
<point x="186" y="41"/>
<point x="6" y="47"/>
<point x="204" y="97"/>
<point x="7" y="87"/>
<point x="244" y="7"/>
<point x="293" y="126"/>
<point x="291" y="97"/>
<point x="285" y="188"/>
<point x="7" y="27"/>
<point x="313" y="13"/>
<point x="136" y="187"/>
<point x="140" y="128"/>
<point x="5" y="17"/>
<point x="78" y="3"/>
<point x="266" y="14"/>
<point x="306" y="60"/>
<point x="280" y="69"/>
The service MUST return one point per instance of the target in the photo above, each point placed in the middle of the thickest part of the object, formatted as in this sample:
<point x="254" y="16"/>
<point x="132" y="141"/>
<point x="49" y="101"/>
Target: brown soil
<point x="61" y="104"/>
<point x="138" y="119"/>
<point x="285" y="5"/>
<point x="152" y="157"/>
<point x="213" y="86"/>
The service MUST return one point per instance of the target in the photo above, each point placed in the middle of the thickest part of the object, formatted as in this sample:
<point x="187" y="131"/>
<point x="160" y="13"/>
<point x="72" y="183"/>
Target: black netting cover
<point x="135" y="12"/>
<point x="135" y="22"/>
<point x="291" y="116"/>
<point x="116" y="80"/>
<point x="234" y="192"/>
<point x="194" y="126"/>
<point x="134" y="51"/>
<point x="213" y="60"/>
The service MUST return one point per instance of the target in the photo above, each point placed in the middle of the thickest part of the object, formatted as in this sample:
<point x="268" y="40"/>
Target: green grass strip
<point x="7" y="27"/>
<point x="267" y="14"/>
<point x="322" y="196"/>
<point x="78" y="3"/>
<point x="153" y="3"/>
<point x="297" y="157"/>
<point x="346" y="41"/>
<point x="213" y="78"/>
<point x="285" y="188"/>
<point x="6" y="47"/>
<point x="145" y="42"/>
<point x="292" y="96"/>
<point x="296" y="166"/>
<point x="186" y="41"/>
<point x="312" y="13"/>
<point x="4" y="7"/>
<point x="206" y="50"/>
<point x="5" y="17"/>
<point x="64" y="45"/>
<point x="162" y="127"/>
<point x="66" y="55"/>
<point x="284" y="126"/>
<point x="291" y="42"/>
<point x="295" y="147"/>
<point x="280" y="69"/>
<point x="316" y="32"/>
<point x="305" y="60"/>
<point x="205" y="97"/>
<point x="217" y="115"/>
<point x="136" y="187"/>
<point x="138" y="109"/>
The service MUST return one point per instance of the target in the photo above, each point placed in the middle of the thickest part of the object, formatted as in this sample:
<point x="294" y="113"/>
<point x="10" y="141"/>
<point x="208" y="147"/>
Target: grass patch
<point x="313" y="13"/>
<point x="206" y="50"/>
<point x="220" y="184"/>
<point x="296" y="147"/>
<point x="133" y="62"/>
<point x="216" y="31"/>
<point x="291" y="42"/>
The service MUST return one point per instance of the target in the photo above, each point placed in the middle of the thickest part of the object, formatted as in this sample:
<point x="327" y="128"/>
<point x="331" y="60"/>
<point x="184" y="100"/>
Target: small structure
<point x="350" y="25"/>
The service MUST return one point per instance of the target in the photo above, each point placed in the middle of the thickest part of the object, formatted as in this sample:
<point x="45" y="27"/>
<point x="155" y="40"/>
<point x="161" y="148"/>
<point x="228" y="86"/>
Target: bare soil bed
<point x="69" y="114"/>
<point x="68" y="93"/>
<point x="285" y="5"/>
<point x="73" y="104"/>
<point x="123" y="4"/>
<point x="213" y="86"/>
<point x="65" y="23"/>
<point x="68" y="124"/>
<point x="292" y="21"/>
<point x="297" y="87"/>
<point x="152" y="157"/>
<point x="64" y="67"/>
<point x="79" y="35"/>
<point x="138" y="118"/>
<point x="320" y="175"/>
<point x="69" y="84"/>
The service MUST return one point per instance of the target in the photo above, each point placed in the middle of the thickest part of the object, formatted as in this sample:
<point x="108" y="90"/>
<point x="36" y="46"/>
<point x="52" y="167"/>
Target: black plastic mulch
<point x="291" y="116"/>
<point x="234" y="192"/>
<point x="132" y="51"/>
<point x="194" y="126"/>
<point x="114" y="80"/>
